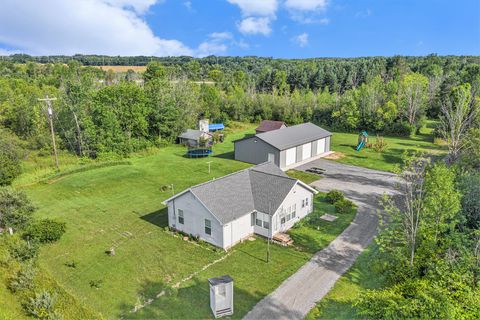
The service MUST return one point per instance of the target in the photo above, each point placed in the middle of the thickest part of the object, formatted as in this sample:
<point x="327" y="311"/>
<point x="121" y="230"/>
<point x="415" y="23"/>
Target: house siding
<point x="237" y="230"/>
<point x="295" y="196"/>
<point x="195" y="214"/>
<point x="248" y="150"/>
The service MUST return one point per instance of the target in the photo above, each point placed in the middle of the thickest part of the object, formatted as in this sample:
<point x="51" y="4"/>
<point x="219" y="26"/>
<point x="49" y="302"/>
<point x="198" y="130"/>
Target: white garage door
<point x="291" y="156"/>
<point x="307" y="151"/>
<point x="320" y="146"/>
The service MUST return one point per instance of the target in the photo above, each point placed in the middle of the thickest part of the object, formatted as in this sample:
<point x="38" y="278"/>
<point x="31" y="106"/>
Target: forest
<point x="429" y="253"/>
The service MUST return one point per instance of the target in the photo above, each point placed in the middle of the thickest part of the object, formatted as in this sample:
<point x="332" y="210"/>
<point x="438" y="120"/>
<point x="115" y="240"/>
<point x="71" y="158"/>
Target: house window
<point x="306" y="202"/>
<point x="289" y="217"/>
<point x="294" y="210"/>
<point x="208" y="227"/>
<point x="266" y="224"/>
<point x="283" y="220"/>
<point x="303" y="203"/>
<point x="181" y="220"/>
<point x="258" y="222"/>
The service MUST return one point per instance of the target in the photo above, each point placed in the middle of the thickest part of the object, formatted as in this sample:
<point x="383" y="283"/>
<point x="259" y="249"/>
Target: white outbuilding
<point x="221" y="296"/>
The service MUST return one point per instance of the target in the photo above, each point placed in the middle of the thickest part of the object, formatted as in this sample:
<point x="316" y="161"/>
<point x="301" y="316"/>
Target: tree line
<point x="99" y="112"/>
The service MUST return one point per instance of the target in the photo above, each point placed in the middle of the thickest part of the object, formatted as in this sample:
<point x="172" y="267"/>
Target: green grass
<point x="312" y="233"/>
<point x="121" y="206"/>
<point x="389" y="159"/>
<point x="303" y="176"/>
<point x="338" y="303"/>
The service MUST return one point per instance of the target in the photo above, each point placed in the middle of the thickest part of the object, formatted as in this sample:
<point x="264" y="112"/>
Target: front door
<point x="271" y="157"/>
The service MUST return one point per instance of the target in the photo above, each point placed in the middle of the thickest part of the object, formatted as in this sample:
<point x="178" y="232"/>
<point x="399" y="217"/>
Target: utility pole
<point x="48" y="101"/>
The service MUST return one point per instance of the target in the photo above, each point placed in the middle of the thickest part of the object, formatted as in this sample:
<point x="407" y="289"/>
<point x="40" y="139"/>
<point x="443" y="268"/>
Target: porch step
<point x="283" y="239"/>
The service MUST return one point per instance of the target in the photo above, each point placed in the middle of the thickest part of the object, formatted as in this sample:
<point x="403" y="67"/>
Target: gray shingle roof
<point x="191" y="134"/>
<point x="261" y="188"/>
<point x="293" y="136"/>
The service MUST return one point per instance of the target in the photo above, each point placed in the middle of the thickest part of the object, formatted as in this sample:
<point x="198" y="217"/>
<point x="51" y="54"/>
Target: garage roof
<point x="293" y="136"/>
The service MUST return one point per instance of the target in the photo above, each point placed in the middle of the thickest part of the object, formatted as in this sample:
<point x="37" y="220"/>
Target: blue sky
<point x="273" y="28"/>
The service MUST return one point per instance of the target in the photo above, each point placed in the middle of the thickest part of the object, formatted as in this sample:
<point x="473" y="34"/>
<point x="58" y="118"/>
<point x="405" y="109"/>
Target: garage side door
<point x="320" y="146"/>
<point x="291" y="156"/>
<point x="307" y="151"/>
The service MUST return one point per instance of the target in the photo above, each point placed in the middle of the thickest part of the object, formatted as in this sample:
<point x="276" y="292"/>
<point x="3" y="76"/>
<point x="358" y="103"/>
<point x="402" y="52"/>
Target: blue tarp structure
<point x="215" y="127"/>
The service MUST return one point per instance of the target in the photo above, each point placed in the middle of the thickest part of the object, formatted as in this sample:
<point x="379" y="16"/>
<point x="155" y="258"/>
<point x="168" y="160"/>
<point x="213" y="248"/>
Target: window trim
<point x="209" y="227"/>
<point x="181" y="217"/>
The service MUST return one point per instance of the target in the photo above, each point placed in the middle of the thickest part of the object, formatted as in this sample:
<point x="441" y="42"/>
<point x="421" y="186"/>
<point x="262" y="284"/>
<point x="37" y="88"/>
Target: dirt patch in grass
<point x="335" y="155"/>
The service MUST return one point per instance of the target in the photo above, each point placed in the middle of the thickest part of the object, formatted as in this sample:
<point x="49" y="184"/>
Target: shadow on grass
<point x="193" y="302"/>
<point x="158" y="218"/>
<point x="226" y="155"/>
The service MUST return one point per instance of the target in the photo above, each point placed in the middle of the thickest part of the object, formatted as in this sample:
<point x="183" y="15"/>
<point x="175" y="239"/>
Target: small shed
<point x="221" y="296"/>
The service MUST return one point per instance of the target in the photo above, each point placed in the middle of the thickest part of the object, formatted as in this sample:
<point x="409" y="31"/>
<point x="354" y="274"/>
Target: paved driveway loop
<point x="294" y="298"/>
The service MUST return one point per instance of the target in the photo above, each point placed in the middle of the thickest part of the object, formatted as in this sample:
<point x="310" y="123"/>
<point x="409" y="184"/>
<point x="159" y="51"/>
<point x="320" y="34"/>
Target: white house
<point x="261" y="200"/>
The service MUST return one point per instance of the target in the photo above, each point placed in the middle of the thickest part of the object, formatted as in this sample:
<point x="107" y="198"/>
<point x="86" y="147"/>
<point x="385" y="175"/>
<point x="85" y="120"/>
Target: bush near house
<point x="334" y="196"/>
<point x="343" y="206"/>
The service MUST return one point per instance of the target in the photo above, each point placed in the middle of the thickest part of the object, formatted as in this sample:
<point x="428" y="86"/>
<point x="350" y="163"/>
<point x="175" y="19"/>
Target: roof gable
<point x="261" y="188"/>
<point x="269" y="125"/>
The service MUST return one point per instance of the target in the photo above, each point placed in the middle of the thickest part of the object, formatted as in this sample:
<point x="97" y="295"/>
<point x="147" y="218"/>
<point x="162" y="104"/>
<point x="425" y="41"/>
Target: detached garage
<point x="287" y="148"/>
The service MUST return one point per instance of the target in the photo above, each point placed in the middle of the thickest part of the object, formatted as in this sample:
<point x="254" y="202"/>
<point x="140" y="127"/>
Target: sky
<point x="270" y="28"/>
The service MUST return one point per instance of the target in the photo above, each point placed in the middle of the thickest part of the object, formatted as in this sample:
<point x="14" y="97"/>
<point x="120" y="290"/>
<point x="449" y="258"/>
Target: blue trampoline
<point x="215" y="127"/>
<point x="199" y="153"/>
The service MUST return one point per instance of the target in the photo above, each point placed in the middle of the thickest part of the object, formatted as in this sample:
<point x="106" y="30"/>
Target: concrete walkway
<point x="294" y="298"/>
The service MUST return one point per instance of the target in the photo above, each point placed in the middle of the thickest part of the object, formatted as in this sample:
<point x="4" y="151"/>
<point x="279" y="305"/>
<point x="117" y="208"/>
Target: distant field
<point x="122" y="68"/>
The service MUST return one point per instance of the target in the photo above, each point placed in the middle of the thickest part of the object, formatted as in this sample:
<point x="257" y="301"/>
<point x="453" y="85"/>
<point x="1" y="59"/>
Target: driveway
<point x="294" y="298"/>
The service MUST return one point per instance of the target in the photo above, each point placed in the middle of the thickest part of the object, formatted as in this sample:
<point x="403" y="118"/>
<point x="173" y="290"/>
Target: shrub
<point x="16" y="209"/>
<point x="334" y="196"/>
<point x="23" y="279"/>
<point x="402" y="128"/>
<point x="343" y="206"/>
<point x="42" y="305"/>
<point x="23" y="250"/>
<point x="10" y="165"/>
<point x="45" y="231"/>
<point x="380" y="144"/>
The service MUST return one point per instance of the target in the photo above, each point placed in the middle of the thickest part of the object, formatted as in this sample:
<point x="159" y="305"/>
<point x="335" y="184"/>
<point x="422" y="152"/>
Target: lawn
<point x="312" y="233"/>
<point x="303" y="176"/>
<point x="120" y="206"/>
<point x="338" y="303"/>
<point x="392" y="156"/>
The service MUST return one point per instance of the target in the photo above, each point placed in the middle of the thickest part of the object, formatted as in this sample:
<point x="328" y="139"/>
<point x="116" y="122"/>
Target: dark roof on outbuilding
<point x="269" y="125"/>
<point x="219" y="280"/>
<point x="293" y="136"/>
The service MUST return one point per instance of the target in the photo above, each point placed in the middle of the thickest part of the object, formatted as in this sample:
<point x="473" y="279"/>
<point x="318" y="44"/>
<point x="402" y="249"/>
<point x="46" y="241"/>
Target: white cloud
<point x="139" y="6"/>
<point x="113" y="27"/>
<point x="216" y="44"/>
<point x="363" y="13"/>
<point x="256" y="7"/>
<point x="306" y="5"/>
<point x="253" y="25"/>
<point x="307" y="11"/>
<point x="188" y="5"/>
<point x="301" y="39"/>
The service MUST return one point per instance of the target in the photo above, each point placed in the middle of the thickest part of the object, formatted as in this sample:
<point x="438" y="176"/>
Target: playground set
<point x="362" y="140"/>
